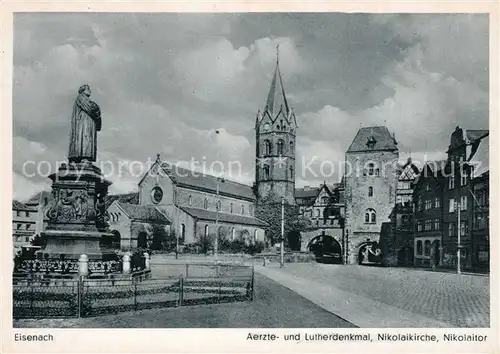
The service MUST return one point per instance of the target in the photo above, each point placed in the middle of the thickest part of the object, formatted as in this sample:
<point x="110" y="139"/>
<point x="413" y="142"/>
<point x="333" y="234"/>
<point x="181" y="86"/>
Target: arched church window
<point x="190" y="200"/>
<point x="182" y="237"/>
<point x="205" y="203"/>
<point x="242" y="209"/>
<point x="266" y="172"/>
<point x="280" y="147"/>
<point x="291" y="172"/>
<point x="370" y="191"/>
<point x="267" y="147"/>
<point x="206" y="230"/>
<point x="291" y="147"/>
<point x="231" y="208"/>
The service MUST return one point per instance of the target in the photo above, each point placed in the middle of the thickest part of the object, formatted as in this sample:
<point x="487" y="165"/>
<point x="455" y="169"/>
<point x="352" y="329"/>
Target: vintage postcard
<point x="250" y="177"/>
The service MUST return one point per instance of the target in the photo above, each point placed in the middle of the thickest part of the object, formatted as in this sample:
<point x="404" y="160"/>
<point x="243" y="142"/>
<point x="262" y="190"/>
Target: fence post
<point x="31" y="300"/>
<point x="181" y="290"/>
<point x="252" y="294"/>
<point x="79" y="297"/>
<point x="83" y="265"/>
<point x="147" y="260"/>
<point x="126" y="263"/>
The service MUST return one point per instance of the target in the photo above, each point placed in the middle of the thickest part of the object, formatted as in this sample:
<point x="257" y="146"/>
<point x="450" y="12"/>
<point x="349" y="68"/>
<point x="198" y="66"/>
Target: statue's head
<point x="84" y="89"/>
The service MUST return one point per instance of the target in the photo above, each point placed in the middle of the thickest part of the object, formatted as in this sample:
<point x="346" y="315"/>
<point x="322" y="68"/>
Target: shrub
<point x="254" y="248"/>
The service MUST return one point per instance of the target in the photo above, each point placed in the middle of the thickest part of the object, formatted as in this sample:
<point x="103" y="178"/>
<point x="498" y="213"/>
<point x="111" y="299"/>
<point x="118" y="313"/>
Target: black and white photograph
<point x="262" y="170"/>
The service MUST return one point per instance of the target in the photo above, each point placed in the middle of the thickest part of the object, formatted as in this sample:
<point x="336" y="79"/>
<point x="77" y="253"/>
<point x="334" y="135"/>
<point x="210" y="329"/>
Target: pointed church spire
<point x="276" y="99"/>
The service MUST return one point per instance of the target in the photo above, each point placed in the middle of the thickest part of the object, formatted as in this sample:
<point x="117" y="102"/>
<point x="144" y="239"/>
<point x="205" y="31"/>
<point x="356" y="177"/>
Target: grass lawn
<point x="274" y="307"/>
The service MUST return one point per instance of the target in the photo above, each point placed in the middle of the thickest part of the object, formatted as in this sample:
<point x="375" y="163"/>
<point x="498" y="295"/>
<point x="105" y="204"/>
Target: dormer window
<point x="371" y="141"/>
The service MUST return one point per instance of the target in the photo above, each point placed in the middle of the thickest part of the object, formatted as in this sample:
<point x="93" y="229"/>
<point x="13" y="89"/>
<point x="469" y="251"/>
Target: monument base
<point x="71" y="244"/>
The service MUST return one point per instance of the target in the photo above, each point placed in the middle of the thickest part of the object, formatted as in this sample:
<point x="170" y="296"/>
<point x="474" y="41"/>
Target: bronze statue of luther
<point x="85" y="123"/>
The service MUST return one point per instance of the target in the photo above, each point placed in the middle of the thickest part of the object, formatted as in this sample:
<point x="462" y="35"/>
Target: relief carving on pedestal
<point x="69" y="205"/>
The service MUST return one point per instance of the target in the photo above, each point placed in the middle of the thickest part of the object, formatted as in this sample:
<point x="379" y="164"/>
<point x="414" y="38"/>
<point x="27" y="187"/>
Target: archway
<point x="369" y="253"/>
<point x="326" y="249"/>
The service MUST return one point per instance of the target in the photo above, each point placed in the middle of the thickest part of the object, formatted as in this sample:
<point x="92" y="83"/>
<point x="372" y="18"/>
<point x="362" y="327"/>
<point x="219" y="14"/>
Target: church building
<point x="197" y="205"/>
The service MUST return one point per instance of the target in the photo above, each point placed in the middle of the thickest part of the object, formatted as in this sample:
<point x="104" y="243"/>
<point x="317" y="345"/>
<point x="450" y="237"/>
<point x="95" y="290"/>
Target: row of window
<point x="429" y="204"/>
<point x="480" y="222"/>
<point x="370" y="170"/>
<point x="232" y="231"/>
<point x="19" y="226"/>
<point x="219" y="205"/>
<point x="18" y="213"/>
<point x="464" y="228"/>
<point x="463" y="181"/>
<point x="426" y="248"/>
<point x="280" y="147"/>
<point x="452" y="206"/>
<point x="429" y="225"/>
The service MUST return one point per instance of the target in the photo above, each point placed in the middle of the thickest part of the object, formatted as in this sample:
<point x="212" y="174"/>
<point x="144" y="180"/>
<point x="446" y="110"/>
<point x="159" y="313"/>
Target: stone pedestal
<point x="77" y="219"/>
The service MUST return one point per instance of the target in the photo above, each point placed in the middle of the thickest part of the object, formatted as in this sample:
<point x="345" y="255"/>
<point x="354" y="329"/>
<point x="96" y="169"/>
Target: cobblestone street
<point x="386" y="297"/>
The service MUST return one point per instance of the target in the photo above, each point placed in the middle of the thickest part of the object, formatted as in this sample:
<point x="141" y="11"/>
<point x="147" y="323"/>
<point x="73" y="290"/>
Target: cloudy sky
<point x="166" y="82"/>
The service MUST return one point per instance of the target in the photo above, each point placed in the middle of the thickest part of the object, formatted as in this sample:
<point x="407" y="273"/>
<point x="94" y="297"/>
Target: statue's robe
<point x="85" y="123"/>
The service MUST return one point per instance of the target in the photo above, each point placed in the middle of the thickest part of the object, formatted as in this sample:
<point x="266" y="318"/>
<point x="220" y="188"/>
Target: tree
<point x="205" y="242"/>
<point x="270" y="211"/>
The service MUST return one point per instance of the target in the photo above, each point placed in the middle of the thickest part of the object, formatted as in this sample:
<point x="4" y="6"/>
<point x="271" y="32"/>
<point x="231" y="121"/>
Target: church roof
<point x="197" y="180"/>
<point x="203" y="214"/>
<point x="276" y="98"/>
<point x="306" y="192"/>
<point x="145" y="213"/>
<point x="130" y="198"/>
<point x="373" y="139"/>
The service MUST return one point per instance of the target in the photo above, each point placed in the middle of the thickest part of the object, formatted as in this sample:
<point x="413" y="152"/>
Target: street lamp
<point x="459" y="208"/>
<point x="216" y="242"/>
<point x="282" y="248"/>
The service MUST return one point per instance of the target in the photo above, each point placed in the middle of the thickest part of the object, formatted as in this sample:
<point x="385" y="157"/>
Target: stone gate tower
<point x="275" y="131"/>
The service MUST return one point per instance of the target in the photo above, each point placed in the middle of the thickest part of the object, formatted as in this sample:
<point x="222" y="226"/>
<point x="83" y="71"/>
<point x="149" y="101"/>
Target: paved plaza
<point x="389" y="297"/>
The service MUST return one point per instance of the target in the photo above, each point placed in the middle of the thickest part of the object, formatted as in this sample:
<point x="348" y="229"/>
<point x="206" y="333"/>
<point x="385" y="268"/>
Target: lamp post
<point x="342" y="225"/>
<point x="282" y="248"/>
<point x="459" y="207"/>
<point x="216" y="241"/>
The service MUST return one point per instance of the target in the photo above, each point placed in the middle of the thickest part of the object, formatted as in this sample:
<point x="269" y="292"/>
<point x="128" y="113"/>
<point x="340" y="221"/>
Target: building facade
<point x="459" y="197"/>
<point x="397" y="235"/>
<point x="370" y="188"/>
<point x="429" y="205"/>
<point x="324" y="209"/>
<point x="24" y="221"/>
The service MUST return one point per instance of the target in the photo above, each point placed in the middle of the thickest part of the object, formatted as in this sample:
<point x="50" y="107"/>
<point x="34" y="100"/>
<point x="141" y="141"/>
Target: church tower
<point x="275" y="131"/>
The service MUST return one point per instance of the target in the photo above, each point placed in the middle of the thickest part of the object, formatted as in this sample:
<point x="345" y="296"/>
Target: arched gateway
<point x="326" y="249"/>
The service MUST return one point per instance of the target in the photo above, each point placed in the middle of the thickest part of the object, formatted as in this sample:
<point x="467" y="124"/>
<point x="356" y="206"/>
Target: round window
<point x="157" y="195"/>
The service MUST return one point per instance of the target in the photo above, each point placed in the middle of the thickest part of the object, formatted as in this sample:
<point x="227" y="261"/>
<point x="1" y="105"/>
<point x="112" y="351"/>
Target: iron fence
<point x="60" y="297"/>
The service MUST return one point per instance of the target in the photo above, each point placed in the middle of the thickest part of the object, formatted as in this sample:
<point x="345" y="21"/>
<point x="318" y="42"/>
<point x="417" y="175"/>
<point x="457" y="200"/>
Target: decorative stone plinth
<point x="77" y="218"/>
